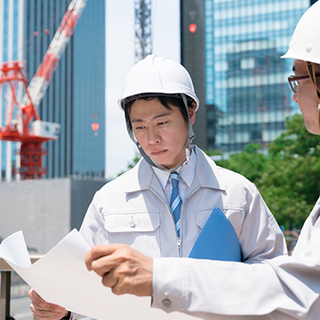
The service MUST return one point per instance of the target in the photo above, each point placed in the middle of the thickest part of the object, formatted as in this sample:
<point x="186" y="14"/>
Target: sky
<point x="120" y="150"/>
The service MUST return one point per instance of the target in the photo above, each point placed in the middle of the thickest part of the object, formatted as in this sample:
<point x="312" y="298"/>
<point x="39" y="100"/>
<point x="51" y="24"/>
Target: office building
<point x="246" y="81"/>
<point x="75" y="97"/>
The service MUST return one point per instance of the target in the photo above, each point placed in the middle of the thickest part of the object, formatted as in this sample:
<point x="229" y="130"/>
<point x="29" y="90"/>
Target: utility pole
<point x="143" y="29"/>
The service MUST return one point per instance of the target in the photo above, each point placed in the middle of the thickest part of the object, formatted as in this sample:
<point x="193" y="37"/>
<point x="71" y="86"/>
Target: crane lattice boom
<point x="27" y="127"/>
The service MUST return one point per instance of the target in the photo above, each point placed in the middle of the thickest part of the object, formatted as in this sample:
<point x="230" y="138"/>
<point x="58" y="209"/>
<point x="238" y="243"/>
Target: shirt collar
<point x="187" y="171"/>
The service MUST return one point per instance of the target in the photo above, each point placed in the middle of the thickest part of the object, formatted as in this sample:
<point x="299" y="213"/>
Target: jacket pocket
<point x="235" y="216"/>
<point x="138" y="230"/>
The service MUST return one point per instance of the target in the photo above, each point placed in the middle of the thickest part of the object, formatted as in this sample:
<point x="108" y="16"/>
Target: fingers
<point x="44" y="310"/>
<point x="122" y="268"/>
<point x="35" y="298"/>
<point x="97" y="252"/>
<point x="109" y="279"/>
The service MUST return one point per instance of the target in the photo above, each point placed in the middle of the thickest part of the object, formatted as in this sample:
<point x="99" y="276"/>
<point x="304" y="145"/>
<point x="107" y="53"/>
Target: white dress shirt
<point x="186" y="174"/>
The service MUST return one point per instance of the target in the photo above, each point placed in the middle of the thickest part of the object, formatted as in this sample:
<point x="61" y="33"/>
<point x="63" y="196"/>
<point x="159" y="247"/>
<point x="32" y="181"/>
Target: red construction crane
<point x="22" y="123"/>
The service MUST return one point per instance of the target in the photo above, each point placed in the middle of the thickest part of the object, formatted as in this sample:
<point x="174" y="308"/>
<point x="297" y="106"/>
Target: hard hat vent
<point x="308" y="47"/>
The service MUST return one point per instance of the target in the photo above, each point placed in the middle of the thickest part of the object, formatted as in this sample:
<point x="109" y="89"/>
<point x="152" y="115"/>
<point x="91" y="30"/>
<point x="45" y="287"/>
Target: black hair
<point x="165" y="100"/>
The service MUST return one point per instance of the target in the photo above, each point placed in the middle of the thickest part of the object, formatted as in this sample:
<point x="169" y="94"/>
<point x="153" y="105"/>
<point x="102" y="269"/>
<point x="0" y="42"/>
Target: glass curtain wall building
<point x="245" y="78"/>
<point x="75" y="97"/>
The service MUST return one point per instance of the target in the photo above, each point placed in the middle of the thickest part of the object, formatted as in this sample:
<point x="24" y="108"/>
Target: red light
<point x="95" y="126"/>
<point x="192" y="28"/>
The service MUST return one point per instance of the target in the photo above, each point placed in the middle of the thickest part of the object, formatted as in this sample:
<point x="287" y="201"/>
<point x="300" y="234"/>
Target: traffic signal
<point x="192" y="27"/>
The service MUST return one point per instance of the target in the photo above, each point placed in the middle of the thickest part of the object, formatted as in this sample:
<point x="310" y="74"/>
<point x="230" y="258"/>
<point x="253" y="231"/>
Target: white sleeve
<point x="284" y="286"/>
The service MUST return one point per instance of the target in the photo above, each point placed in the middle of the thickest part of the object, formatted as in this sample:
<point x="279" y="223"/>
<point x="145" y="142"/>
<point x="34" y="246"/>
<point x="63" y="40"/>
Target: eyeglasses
<point x="293" y="81"/>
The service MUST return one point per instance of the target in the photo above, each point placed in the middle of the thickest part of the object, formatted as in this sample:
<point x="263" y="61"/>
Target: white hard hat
<point x="305" y="42"/>
<point x="157" y="75"/>
<point x="154" y="76"/>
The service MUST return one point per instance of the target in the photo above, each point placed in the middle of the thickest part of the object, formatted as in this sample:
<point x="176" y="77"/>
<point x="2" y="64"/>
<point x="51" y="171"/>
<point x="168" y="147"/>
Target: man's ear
<point x="192" y="112"/>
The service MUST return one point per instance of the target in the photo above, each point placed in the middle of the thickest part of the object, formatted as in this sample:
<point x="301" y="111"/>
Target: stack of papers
<point x="61" y="277"/>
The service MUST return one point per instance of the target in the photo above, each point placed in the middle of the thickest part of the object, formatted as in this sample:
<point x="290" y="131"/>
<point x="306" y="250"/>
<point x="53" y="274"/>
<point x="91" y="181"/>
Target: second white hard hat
<point x="305" y="42"/>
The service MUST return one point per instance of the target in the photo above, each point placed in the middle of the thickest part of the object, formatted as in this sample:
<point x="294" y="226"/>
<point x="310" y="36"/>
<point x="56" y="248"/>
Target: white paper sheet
<point x="61" y="277"/>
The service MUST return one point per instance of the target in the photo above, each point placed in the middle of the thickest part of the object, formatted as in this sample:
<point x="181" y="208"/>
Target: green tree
<point x="250" y="162"/>
<point x="291" y="184"/>
<point x="289" y="177"/>
<point x="295" y="141"/>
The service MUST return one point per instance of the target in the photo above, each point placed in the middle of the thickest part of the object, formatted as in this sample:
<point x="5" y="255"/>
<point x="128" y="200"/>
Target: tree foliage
<point x="288" y="178"/>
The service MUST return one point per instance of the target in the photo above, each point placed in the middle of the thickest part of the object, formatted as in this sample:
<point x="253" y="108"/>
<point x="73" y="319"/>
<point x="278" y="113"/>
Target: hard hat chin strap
<point x="191" y="134"/>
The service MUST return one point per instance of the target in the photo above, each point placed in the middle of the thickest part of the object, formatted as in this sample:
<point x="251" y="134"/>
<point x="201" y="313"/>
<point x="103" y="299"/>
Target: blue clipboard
<point x="217" y="240"/>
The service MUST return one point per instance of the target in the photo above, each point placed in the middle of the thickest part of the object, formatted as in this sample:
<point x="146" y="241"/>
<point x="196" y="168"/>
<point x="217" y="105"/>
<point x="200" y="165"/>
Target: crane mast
<point x="27" y="127"/>
<point x="143" y="29"/>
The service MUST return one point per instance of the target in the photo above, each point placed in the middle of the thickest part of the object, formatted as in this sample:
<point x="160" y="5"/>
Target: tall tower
<point x="143" y="29"/>
<point x="193" y="59"/>
<point x="75" y="97"/>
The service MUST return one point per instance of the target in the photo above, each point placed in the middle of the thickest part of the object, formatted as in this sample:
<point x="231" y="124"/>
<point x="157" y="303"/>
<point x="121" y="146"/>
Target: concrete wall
<point x="82" y="192"/>
<point x="45" y="210"/>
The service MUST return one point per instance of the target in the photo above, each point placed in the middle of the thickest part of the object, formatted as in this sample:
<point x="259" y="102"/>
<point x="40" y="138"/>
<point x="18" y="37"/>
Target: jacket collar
<point x="141" y="177"/>
<point x="207" y="175"/>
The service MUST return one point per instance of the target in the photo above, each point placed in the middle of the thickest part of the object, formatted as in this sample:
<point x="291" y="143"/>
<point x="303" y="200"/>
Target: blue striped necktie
<point x="175" y="202"/>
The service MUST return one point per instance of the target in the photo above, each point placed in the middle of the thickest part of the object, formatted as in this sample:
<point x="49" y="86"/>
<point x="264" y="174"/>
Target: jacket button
<point x="166" y="303"/>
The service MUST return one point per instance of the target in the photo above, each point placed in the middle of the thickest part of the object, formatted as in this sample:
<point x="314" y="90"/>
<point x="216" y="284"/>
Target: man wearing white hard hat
<point x="140" y="241"/>
<point x="282" y="288"/>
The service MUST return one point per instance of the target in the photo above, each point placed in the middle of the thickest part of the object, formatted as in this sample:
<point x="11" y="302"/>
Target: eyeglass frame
<point x="294" y="78"/>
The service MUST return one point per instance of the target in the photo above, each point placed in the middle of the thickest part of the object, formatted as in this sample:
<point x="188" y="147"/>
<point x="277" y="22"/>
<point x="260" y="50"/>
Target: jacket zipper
<point x="178" y="238"/>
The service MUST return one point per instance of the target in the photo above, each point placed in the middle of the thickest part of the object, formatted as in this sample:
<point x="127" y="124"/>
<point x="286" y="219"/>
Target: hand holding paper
<point x="61" y="277"/>
<point x="122" y="268"/>
<point x="41" y="309"/>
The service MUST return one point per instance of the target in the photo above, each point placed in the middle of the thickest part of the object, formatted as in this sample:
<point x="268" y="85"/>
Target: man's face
<point x="306" y="98"/>
<point x="162" y="133"/>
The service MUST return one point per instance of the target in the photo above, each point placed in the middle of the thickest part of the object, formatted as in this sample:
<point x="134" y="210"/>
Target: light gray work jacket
<point x="132" y="209"/>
